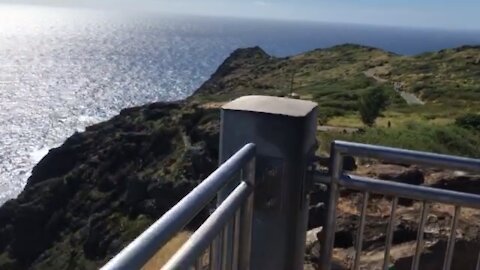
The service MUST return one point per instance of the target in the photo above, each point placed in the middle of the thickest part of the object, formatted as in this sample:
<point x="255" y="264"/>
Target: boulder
<point x="349" y="163"/>
<point x="313" y="236"/>
<point x="408" y="175"/>
<point x="457" y="182"/>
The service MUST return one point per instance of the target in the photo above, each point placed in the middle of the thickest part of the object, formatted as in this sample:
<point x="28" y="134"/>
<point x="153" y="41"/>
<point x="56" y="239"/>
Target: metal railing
<point x="226" y="236"/>
<point x="426" y="195"/>
<point x="234" y="212"/>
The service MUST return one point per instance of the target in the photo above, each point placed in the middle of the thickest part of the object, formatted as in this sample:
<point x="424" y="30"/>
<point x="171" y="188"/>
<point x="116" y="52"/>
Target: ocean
<point x="64" y="69"/>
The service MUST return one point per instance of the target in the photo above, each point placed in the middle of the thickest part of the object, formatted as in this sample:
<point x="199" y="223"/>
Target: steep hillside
<point x="336" y="76"/>
<point x="450" y="76"/>
<point x="427" y="92"/>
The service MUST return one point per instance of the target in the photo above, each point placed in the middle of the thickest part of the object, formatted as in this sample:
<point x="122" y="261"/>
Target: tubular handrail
<point x="408" y="156"/>
<point x="138" y="252"/>
<point x="410" y="191"/>
<point x="204" y="235"/>
<point x="426" y="195"/>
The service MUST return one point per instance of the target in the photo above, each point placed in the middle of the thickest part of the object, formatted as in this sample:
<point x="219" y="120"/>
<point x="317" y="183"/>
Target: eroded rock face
<point x="91" y="196"/>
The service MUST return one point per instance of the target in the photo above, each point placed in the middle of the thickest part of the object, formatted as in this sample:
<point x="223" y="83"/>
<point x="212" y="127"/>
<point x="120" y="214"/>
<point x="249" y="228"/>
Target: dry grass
<point x="162" y="256"/>
<point x="377" y="207"/>
<point x="212" y="105"/>
<point x="396" y="120"/>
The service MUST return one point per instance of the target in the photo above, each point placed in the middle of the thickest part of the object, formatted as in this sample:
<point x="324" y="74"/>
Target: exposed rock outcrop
<point x="396" y="173"/>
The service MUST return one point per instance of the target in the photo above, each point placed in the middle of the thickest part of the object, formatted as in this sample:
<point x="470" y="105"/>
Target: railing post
<point x="284" y="133"/>
<point x="246" y="216"/>
<point x="328" y="234"/>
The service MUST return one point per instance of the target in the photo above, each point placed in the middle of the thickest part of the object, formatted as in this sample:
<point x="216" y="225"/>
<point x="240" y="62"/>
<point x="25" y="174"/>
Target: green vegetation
<point x="336" y="78"/>
<point x="447" y="139"/>
<point x="371" y="104"/>
<point x="471" y="121"/>
<point x="341" y="97"/>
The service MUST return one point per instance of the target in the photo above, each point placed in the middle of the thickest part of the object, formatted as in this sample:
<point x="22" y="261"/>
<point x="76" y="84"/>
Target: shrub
<point x="470" y="121"/>
<point x="449" y="139"/>
<point x="371" y="104"/>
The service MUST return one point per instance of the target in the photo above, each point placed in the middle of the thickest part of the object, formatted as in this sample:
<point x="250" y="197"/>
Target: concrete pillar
<point x="284" y="133"/>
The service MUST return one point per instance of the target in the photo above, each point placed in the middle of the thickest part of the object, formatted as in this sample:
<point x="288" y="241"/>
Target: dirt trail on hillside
<point x="324" y="128"/>
<point x="410" y="98"/>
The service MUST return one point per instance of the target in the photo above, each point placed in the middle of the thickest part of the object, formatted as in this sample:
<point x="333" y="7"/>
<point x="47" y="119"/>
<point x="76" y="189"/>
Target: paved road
<point x="410" y="98"/>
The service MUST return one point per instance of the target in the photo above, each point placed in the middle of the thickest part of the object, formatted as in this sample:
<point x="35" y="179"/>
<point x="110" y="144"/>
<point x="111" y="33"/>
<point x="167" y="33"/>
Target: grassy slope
<point x="448" y="81"/>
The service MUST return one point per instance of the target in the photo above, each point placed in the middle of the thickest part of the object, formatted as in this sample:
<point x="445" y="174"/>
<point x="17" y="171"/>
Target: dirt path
<point x="371" y="74"/>
<point x="410" y="98"/>
<point x="337" y="129"/>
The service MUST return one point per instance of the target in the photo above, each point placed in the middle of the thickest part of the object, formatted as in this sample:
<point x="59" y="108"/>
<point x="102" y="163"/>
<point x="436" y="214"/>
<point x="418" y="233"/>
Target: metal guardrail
<point x="227" y="234"/>
<point x="366" y="185"/>
<point x="236" y="211"/>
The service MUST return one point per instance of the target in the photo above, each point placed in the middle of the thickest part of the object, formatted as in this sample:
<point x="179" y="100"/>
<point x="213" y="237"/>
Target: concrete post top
<point x="272" y="105"/>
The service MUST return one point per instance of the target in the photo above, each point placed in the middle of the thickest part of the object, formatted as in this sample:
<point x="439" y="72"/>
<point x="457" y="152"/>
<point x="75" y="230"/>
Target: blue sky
<point x="452" y="14"/>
